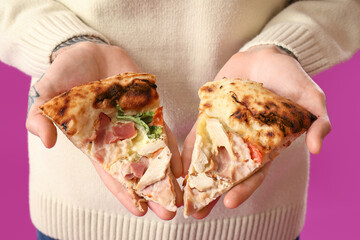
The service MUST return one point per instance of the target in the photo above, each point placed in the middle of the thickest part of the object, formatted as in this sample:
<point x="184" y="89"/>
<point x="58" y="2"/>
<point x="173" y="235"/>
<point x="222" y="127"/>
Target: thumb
<point x="188" y="149"/>
<point x="38" y="124"/>
<point x="317" y="132"/>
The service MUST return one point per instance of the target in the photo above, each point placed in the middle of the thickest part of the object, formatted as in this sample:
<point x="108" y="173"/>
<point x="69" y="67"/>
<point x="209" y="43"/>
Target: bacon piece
<point x="120" y="131"/>
<point x="158" y="117"/>
<point x="138" y="168"/>
<point x="100" y="127"/>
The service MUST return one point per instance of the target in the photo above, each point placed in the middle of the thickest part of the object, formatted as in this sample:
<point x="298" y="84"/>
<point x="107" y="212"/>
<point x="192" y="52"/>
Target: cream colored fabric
<point x="184" y="43"/>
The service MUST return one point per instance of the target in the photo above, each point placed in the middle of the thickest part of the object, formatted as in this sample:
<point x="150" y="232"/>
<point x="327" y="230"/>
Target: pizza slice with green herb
<point x="118" y="122"/>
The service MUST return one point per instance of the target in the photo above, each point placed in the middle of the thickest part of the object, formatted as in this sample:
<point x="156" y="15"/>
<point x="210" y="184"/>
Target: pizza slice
<point x="241" y="126"/>
<point x="118" y="123"/>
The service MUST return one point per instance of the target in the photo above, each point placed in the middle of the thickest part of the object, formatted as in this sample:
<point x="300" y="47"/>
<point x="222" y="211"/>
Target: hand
<point x="283" y="75"/>
<point x="81" y="63"/>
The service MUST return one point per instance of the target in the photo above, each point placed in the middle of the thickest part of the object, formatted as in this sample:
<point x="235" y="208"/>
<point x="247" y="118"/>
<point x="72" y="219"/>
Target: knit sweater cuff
<point x="296" y="38"/>
<point x="38" y="42"/>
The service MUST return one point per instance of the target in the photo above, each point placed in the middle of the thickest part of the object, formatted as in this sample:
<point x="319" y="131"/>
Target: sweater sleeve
<point x="30" y="30"/>
<point x="319" y="33"/>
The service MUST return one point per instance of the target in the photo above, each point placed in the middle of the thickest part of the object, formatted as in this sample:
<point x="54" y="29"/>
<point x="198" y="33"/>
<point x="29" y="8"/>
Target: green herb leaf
<point x="147" y="117"/>
<point x="155" y="132"/>
<point x="141" y="119"/>
<point x="120" y="111"/>
<point x="136" y="120"/>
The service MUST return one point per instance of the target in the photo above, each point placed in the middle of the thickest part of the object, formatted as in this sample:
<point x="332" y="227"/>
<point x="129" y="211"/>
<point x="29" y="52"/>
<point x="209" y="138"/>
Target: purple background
<point x="334" y="192"/>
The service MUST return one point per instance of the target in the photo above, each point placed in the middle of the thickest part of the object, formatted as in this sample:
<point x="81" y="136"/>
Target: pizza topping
<point x="232" y="170"/>
<point x="240" y="148"/>
<point x="162" y="191"/>
<point x="218" y="136"/>
<point x="255" y="153"/>
<point x="202" y="160"/>
<point x="120" y="131"/>
<point x="143" y="120"/>
<point x="201" y="182"/>
<point x="139" y="168"/>
<point x="156" y="170"/>
<point x="158" y="117"/>
<point x="150" y="147"/>
<point x="100" y="126"/>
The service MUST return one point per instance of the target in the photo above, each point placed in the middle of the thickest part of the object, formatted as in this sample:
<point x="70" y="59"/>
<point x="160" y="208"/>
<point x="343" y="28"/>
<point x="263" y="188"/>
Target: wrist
<point x="74" y="41"/>
<point x="273" y="48"/>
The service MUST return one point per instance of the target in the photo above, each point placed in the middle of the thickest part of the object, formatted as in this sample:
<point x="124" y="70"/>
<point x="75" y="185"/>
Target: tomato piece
<point x="156" y="153"/>
<point x="158" y="117"/>
<point x="255" y="153"/>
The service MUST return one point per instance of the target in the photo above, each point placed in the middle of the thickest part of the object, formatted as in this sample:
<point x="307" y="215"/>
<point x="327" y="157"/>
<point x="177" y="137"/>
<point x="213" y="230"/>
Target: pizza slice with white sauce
<point x="118" y="123"/>
<point x="241" y="126"/>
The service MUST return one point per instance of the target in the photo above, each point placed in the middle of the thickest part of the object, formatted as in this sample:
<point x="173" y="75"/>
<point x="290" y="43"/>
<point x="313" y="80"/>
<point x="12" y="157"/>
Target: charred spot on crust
<point x="269" y="105"/>
<point x="133" y="96"/>
<point x="65" y="125"/>
<point x="242" y="116"/>
<point x="207" y="105"/>
<point x="152" y="85"/>
<point x="288" y="105"/>
<point x="221" y="86"/>
<point x="208" y="88"/>
<point x="312" y="117"/>
<point x="244" y="102"/>
<point x="65" y="93"/>
<point x="63" y="109"/>
<point x="270" y="134"/>
<point x="138" y="94"/>
<point x="111" y="95"/>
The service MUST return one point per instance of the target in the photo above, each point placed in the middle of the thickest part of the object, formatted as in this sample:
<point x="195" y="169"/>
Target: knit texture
<point x="64" y="221"/>
<point x="184" y="43"/>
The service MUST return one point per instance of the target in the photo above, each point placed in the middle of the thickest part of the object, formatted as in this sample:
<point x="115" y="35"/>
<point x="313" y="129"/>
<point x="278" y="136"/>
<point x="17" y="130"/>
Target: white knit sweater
<point x="184" y="43"/>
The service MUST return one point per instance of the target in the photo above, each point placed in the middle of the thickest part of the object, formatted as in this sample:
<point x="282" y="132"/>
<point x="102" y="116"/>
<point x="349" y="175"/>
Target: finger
<point x="178" y="194"/>
<point x="238" y="194"/>
<point x="316" y="134"/>
<point x="160" y="211"/>
<point x="188" y="149"/>
<point x="120" y="192"/>
<point x="176" y="165"/>
<point x="39" y="125"/>
<point x="206" y="210"/>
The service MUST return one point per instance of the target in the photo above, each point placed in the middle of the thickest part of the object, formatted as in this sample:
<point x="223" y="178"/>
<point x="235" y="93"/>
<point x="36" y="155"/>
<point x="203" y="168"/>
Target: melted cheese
<point x="130" y="149"/>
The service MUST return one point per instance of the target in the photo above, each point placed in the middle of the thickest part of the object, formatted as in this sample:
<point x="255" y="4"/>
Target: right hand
<point x="78" y="64"/>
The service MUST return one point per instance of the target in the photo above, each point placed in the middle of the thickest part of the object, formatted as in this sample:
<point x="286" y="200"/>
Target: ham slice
<point x="120" y="131"/>
<point x="138" y="168"/>
<point x="107" y="133"/>
<point x="101" y="126"/>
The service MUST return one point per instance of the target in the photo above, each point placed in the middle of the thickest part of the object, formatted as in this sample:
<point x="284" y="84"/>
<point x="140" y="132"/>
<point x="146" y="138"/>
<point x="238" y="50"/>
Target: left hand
<point x="283" y="75"/>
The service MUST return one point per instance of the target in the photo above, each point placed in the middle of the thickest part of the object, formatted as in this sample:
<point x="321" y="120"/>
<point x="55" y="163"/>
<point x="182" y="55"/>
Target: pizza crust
<point x="241" y="126"/>
<point x="87" y="115"/>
